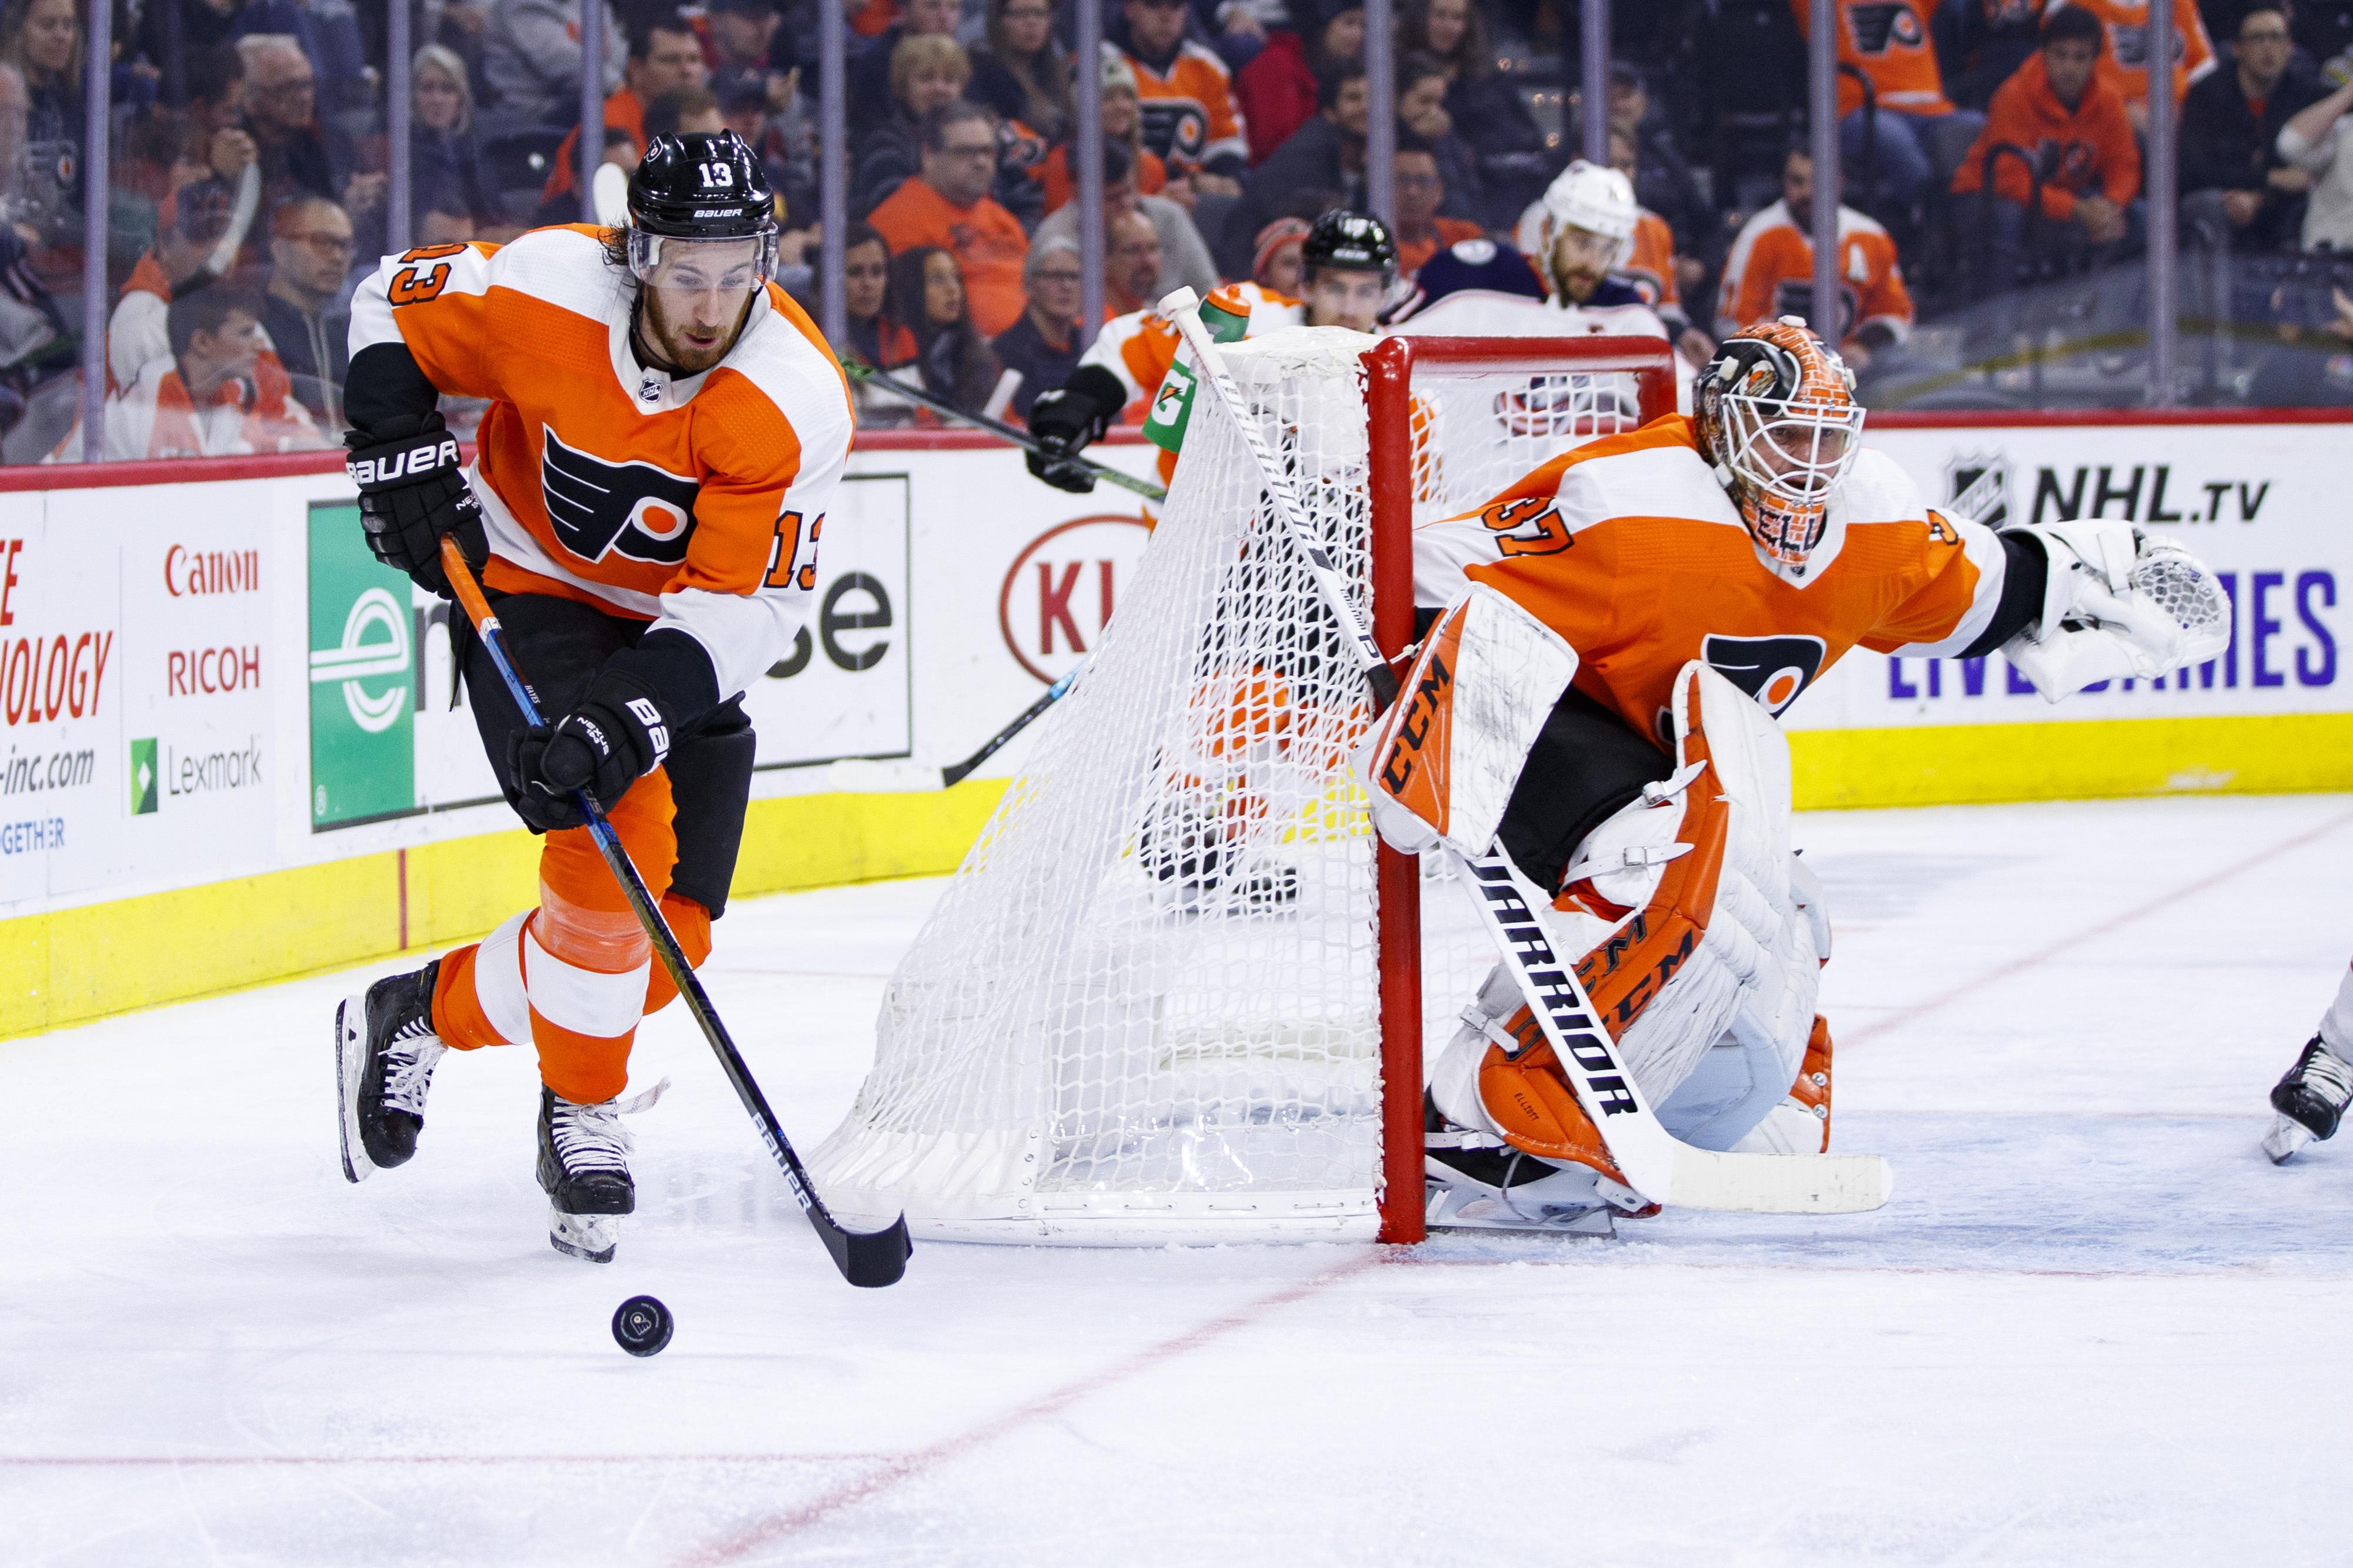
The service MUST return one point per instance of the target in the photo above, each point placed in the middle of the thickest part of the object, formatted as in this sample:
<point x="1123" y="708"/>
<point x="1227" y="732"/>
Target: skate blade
<point x="589" y="1236"/>
<point x="2288" y="1135"/>
<point x="351" y="1048"/>
<point x="1451" y="1209"/>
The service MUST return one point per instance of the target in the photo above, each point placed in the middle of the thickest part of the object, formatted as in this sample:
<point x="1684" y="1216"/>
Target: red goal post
<point x="1391" y="372"/>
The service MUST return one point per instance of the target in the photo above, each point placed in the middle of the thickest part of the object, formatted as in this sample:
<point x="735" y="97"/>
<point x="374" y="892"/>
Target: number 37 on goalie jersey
<point x="791" y="566"/>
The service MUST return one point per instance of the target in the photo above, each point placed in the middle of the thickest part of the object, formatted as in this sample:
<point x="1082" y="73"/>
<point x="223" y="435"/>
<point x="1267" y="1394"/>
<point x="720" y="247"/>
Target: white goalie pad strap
<point x="585" y="1001"/>
<point x="1756" y="971"/>
<point x="2119" y="603"/>
<point x="497" y="982"/>
<point x="1442" y="761"/>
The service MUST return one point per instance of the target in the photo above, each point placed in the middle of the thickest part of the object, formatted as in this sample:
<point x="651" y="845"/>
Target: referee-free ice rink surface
<point x="2093" y="1326"/>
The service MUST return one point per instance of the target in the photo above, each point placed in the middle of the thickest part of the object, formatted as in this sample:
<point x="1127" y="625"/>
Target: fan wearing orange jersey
<point x="666" y="435"/>
<point x="2123" y="63"/>
<point x="1769" y="270"/>
<point x="1707" y="571"/>
<point x="1915" y="133"/>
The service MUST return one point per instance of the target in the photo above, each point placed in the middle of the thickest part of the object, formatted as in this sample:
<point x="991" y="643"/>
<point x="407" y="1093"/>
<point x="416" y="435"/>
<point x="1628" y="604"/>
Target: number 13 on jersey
<point x="789" y="566"/>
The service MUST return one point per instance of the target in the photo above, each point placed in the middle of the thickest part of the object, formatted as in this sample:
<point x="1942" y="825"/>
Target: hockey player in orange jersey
<point x="1705" y="572"/>
<point x="666" y="434"/>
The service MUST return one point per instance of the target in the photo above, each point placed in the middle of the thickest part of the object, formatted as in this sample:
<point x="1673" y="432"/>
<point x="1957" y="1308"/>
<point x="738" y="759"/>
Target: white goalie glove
<point x="2119" y="602"/>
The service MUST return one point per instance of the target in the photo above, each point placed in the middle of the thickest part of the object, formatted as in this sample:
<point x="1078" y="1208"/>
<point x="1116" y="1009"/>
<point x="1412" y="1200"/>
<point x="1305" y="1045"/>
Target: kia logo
<point x="1062" y="591"/>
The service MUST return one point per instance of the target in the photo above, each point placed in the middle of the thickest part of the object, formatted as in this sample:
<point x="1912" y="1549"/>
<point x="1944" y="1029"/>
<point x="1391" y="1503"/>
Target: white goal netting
<point x="1146" y="1007"/>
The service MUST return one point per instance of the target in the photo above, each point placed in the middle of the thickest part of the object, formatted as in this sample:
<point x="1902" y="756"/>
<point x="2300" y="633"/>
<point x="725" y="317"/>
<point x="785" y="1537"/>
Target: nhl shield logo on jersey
<point x="636" y="509"/>
<point x="1773" y="670"/>
<point x="1976" y="487"/>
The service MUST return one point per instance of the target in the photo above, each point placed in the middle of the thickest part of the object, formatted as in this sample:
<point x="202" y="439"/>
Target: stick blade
<point x="867" y="1259"/>
<point x="881" y="775"/>
<point x="1780" y="1184"/>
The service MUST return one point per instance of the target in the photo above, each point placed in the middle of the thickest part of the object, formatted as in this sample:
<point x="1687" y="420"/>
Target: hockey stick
<point x="1659" y="1167"/>
<point x="864" y="1257"/>
<point x="861" y="371"/>
<point x="872" y="775"/>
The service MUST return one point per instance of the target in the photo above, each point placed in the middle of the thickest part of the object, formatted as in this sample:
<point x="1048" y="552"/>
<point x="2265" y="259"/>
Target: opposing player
<point x="1349" y="267"/>
<point x="1706" y="572"/>
<point x="2311" y="1098"/>
<point x="666" y="433"/>
<point x="1587" y="221"/>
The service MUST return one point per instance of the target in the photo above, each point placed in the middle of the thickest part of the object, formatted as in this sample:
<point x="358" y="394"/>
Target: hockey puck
<point x="641" y="1326"/>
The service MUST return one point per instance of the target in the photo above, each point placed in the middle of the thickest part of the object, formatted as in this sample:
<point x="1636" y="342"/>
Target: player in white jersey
<point x="2311" y="1098"/>
<point x="667" y="432"/>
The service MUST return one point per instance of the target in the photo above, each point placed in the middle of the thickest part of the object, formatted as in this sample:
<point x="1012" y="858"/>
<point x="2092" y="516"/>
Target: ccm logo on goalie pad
<point x="657" y="732"/>
<point x="1550" y="987"/>
<point x="635" y="509"/>
<point x="1414" y="770"/>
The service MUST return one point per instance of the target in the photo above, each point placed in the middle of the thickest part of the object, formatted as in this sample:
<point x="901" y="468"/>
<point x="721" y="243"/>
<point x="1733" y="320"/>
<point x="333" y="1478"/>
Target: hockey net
<point x="1174" y="994"/>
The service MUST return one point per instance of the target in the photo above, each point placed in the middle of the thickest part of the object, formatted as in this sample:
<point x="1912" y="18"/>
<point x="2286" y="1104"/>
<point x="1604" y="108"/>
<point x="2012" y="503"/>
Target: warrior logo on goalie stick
<point x="635" y="509"/>
<point x="1549" y="987"/>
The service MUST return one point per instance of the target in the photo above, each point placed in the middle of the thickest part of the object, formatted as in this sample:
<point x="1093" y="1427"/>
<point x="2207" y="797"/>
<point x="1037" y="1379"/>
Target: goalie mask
<point x="1778" y="420"/>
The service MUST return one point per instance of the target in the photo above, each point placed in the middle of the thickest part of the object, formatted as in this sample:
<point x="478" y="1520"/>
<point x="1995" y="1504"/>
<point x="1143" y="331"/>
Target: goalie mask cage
<point x="1177" y="991"/>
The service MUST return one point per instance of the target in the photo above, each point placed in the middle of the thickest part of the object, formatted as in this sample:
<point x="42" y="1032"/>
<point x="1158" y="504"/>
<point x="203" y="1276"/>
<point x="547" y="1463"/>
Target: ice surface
<point x="2094" y="1325"/>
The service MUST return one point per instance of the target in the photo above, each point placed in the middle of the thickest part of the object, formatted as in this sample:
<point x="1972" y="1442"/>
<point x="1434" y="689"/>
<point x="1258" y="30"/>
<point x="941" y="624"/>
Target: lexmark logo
<point x="1550" y="987"/>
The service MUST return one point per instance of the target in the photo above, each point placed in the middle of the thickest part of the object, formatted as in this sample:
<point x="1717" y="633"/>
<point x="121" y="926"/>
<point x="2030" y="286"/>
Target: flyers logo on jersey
<point x="1773" y="670"/>
<point x="634" y="509"/>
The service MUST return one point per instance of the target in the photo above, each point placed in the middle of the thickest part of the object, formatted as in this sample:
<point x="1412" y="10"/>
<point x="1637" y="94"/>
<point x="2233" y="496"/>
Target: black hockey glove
<point x="412" y="492"/>
<point x="616" y="733"/>
<point x="1066" y="419"/>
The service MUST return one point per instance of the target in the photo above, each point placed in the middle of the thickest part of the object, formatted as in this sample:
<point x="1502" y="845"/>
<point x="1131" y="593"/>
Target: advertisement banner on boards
<point x="62" y="767"/>
<point x="362" y="676"/>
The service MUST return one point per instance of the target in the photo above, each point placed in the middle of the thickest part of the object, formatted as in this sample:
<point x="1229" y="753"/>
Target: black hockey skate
<point x="584" y="1168"/>
<point x="1194" y="854"/>
<point x="2310" y="1100"/>
<point x="1476" y="1181"/>
<point x="386" y="1051"/>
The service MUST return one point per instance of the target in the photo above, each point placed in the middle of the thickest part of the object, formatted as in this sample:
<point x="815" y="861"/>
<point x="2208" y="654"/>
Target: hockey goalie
<point x="1701" y="573"/>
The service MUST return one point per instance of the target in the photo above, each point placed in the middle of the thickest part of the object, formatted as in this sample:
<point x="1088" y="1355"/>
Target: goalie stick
<point x="1660" y="1167"/>
<point x="874" y="775"/>
<point x="865" y="1257"/>
<point x="859" y="370"/>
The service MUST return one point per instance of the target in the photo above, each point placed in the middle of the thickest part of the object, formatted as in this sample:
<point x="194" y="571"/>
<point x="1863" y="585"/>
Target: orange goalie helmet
<point x="1778" y="418"/>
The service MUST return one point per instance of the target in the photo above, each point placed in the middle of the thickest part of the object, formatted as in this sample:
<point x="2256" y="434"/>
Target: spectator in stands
<point x="1770" y="270"/>
<point x="875" y="336"/>
<point x="1123" y="123"/>
<point x="282" y="118"/>
<point x="743" y="39"/>
<point x="1131" y="264"/>
<point x="2318" y="140"/>
<point x="1277" y="91"/>
<point x="1652" y="265"/>
<point x="1186" y="97"/>
<point x="1022" y="71"/>
<point x="684" y="111"/>
<point x="182" y="259"/>
<point x="43" y="39"/>
<point x="451" y="189"/>
<point x="927" y="290"/>
<point x="1485" y="104"/>
<point x="1278" y="258"/>
<point x="1421" y="109"/>
<point x="947" y="204"/>
<point x="2072" y="121"/>
<point x="532" y="57"/>
<point x="305" y="311"/>
<point x="871" y="73"/>
<point x="328" y="34"/>
<point x="1662" y="177"/>
<point x="2123" y="63"/>
<point x="664" y="55"/>
<point x="1328" y="154"/>
<point x="926" y="72"/>
<point x="1043" y="345"/>
<point x="1421" y="233"/>
<point x="1184" y="258"/>
<point x="201" y="400"/>
<point x="2237" y="191"/>
<point x="1918" y="134"/>
<point x="1981" y="44"/>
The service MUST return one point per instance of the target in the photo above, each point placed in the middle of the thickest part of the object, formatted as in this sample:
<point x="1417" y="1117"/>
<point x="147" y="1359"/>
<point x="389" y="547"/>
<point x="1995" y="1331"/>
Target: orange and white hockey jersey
<point x="155" y="418"/>
<point x="1888" y="41"/>
<point x="1769" y="272"/>
<point x="1190" y="116"/>
<point x="1630" y="550"/>
<point x="2123" y="64"/>
<point x="695" y="503"/>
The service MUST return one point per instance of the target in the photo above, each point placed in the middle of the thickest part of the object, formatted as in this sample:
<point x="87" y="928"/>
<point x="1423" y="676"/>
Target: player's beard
<point x="667" y="345"/>
<point x="1576" y="284"/>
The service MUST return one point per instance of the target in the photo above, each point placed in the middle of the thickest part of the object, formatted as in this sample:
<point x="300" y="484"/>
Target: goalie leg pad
<point x="1800" y="1124"/>
<point x="1499" y="1076"/>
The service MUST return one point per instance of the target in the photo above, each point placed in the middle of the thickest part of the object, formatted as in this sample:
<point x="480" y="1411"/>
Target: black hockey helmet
<point x="701" y="185"/>
<point x="1349" y="242"/>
